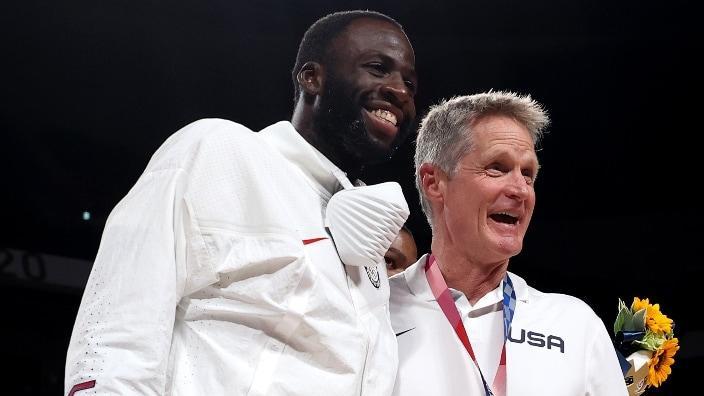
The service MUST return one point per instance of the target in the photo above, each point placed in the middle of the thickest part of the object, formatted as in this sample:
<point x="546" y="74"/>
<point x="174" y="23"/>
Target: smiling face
<point x="488" y="203"/>
<point x="367" y="106"/>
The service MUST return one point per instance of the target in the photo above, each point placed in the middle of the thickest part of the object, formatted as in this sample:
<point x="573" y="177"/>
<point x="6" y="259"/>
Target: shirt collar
<point x="418" y="284"/>
<point x="521" y="288"/>
<point x="417" y="281"/>
<point x="488" y="299"/>
<point x="314" y="165"/>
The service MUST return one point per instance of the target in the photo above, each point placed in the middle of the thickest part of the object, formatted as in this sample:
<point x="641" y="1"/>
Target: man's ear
<point x="432" y="181"/>
<point x="311" y="78"/>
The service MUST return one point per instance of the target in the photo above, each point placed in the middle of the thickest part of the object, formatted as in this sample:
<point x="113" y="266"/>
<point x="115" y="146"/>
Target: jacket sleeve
<point x="603" y="372"/>
<point x="122" y="334"/>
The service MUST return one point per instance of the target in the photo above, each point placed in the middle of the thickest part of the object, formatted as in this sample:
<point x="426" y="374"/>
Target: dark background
<point x="91" y="89"/>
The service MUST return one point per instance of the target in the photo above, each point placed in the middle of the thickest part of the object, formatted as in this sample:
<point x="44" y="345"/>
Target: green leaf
<point x="627" y="323"/>
<point x="631" y="322"/>
<point x="651" y="341"/>
<point x="624" y="316"/>
<point x="620" y="320"/>
<point x="622" y="305"/>
<point x="639" y="320"/>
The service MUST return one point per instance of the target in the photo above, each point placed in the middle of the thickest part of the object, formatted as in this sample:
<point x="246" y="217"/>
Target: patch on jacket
<point x="373" y="275"/>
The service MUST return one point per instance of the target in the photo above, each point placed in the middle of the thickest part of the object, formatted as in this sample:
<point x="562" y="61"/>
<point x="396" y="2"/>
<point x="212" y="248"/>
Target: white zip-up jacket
<point x="215" y="276"/>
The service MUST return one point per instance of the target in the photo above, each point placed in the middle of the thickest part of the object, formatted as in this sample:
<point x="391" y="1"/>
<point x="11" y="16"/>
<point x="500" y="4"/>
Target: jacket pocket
<point x="249" y="258"/>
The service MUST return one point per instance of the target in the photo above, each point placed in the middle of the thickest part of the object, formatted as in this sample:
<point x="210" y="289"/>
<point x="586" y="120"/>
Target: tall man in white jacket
<point x="245" y="263"/>
<point x="465" y="325"/>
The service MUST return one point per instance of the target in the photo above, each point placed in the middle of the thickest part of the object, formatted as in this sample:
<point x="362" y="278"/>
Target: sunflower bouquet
<point x="645" y="342"/>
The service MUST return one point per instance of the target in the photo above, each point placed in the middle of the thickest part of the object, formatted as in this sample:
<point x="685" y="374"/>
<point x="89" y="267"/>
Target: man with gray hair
<point x="464" y="324"/>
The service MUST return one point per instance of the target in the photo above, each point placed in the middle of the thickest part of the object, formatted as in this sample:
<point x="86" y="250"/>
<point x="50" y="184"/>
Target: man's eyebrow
<point x="388" y="59"/>
<point x="400" y="253"/>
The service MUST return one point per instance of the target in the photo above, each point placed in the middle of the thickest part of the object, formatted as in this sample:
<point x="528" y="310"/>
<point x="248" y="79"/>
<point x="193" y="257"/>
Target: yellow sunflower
<point x="656" y="321"/>
<point x="659" y="366"/>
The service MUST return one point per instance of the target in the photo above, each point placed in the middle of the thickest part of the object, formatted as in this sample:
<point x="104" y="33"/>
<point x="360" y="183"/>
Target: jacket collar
<point x="418" y="283"/>
<point x="320" y="171"/>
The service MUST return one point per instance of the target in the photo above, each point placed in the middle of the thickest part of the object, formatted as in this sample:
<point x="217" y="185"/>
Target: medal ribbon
<point x="447" y="304"/>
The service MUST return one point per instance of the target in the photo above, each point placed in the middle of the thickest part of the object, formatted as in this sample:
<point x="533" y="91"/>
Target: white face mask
<point x="364" y="221"/>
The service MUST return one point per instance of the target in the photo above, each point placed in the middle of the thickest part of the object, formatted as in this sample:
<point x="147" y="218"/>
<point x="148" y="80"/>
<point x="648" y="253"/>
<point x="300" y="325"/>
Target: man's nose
<point x="396" y="91"/>
<point x="518" y="187"/>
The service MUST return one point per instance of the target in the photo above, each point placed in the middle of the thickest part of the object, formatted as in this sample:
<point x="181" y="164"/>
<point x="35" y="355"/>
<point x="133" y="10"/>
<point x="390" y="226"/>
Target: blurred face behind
<point x="488" y="203"/>
<point x="402" y="253"/>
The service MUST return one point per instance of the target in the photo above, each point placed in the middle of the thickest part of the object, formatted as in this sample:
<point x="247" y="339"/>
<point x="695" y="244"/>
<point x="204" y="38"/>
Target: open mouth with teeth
<point x="385" y="115"/>
<point x="382" y="124"/>
<point x="505" y="218"/>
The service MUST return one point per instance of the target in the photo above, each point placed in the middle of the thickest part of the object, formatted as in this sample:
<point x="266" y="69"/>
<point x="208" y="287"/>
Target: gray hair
<point x="445" y="134"/>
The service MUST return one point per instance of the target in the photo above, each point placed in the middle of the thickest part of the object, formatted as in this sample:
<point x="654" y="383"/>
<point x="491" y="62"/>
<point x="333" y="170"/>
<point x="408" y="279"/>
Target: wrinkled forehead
<point x="501" y="129"/>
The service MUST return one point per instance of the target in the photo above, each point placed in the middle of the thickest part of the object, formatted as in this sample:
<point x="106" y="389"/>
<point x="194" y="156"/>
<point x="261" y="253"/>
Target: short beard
<point x="340" y="126"/>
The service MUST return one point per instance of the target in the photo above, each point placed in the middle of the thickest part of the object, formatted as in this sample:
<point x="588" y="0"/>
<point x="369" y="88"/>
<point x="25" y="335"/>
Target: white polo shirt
<point x="558" y="345"/>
